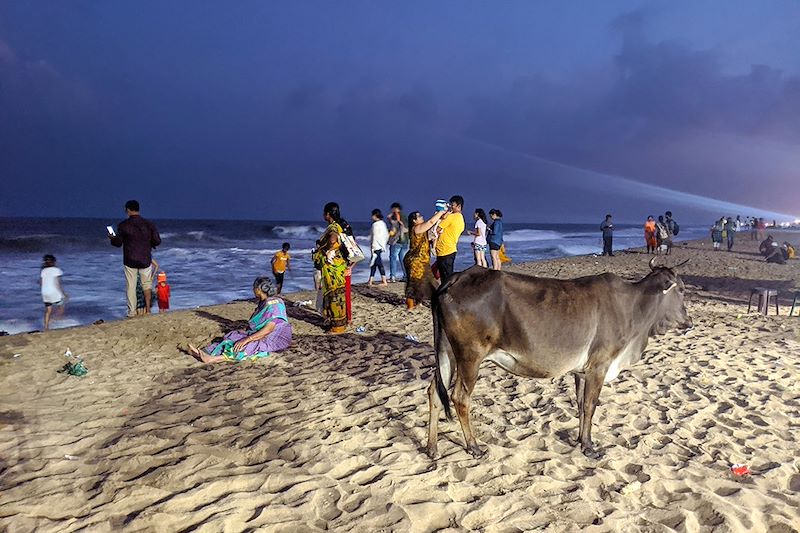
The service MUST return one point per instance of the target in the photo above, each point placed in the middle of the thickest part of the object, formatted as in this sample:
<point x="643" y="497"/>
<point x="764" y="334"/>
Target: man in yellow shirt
<point x="450" y="229"/>
<point x="280" y="264"/>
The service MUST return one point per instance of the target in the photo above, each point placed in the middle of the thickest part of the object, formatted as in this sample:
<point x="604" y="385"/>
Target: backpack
<point x="675" y="228"/>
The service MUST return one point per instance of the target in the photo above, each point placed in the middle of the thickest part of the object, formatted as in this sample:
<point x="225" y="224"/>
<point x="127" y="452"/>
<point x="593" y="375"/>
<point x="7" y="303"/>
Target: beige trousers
<point x="146" y="275"/>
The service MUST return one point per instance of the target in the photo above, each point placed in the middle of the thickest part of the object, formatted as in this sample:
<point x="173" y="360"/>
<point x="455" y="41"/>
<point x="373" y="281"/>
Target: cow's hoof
<point x="432" y="452"/>
<point x="475" y="451"/>
<point x="592" y="453"/>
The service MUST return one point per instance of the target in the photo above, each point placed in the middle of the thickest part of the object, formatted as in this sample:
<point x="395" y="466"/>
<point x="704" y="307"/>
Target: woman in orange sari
<point x="650" y="235"/>
<point x="419" y="278"/>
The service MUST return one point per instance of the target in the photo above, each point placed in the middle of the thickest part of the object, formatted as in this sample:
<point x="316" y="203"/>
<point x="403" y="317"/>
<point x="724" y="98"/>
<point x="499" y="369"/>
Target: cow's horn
<point x="681" y="264"/>
<point x="652" y="263"/>
<point x="672" y="286"/>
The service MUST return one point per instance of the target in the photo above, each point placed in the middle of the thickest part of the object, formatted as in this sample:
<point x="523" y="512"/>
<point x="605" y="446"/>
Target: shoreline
<point x="305" y="294"/>
<point x="328" y="434"/>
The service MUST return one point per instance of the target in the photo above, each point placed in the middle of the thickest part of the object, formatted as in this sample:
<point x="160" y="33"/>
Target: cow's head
<point x="668" y="288"/>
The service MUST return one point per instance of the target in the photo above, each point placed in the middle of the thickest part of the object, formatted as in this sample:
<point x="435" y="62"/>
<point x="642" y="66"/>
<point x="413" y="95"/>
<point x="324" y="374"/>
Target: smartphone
<point x="110" y="231"/>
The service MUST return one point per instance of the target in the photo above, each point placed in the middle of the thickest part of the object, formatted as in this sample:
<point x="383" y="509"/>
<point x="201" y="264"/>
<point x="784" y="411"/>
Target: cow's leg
<point x="433" y="421"/>
<point x="465" y="383"/>
<point x="593" y="383"/>
<point x="580" y="383"/>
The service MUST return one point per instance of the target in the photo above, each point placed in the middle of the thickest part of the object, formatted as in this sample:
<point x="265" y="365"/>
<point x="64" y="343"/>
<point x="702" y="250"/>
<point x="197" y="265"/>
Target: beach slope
<point x="328" y="435"/>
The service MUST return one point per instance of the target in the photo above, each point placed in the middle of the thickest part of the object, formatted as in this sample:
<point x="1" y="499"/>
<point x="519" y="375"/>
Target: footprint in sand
<point x="324" y="503"/>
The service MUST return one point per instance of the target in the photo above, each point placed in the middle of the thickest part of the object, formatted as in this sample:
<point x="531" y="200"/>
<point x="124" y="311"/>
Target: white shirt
<point x="380" y="235"/>
<point x="480" y="226"/>
<point x="51" y="294"/>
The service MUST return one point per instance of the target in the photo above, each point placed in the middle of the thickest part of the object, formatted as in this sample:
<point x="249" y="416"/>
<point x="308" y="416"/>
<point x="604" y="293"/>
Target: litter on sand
<point x="74" y="369"/>
<point x="411" y="338"/>
<point x="740" y="470"/>
<point x="360" y="329"/>
<point x="71" y="457"/>
<point x="17" y="354"/>
<point x="304" y="303"/>
<point x="68" y="353"/>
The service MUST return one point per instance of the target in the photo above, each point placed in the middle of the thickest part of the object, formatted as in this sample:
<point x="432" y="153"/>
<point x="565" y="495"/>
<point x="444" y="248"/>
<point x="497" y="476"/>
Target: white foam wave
<point x="531" y="235"/>
<point x="298" y="232"/>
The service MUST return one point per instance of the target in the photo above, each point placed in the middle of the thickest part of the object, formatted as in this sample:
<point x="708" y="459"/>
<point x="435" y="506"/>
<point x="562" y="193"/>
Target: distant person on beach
<point x="730" y="232"/>
<point x="761" y="228"/>
<point x="420" y="281"/>
<point x="268" y="331"/>
<point x="608" y="236"/>
<point x="672" y="228"/>
<point x="479" y="243"/>
<point x="280" y="264"/>
<point x="767" y="246"/>
<point x="662" y="234"/>
<point x="398" y="242"/>
<point x="137" y="237"/>
<point x="379" y="240"/>
<point x="450" y="229"/>
<point x="53" y="294"/>
<point x="329" y="259"/>
<point x="716" y="233"/>
<point x="495" y="241"/>
<point x="162" y="292"/>
<point x="650" y="235"/>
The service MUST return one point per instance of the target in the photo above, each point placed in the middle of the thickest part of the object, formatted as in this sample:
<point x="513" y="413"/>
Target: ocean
<point x="215" y="261"/>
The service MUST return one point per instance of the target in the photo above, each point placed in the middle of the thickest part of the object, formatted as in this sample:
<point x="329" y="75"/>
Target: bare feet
<point x="201" y="355"/>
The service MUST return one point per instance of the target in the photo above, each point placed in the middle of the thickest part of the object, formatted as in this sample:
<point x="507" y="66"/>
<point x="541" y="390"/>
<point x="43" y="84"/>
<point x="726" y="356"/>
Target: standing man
<point x="730" y="230"/>
<point x="398" y="242"/>
<point x="672" y="229"/>
<point x="608" y="236"/>
<point x="137" y="237"/>
<point x="450" y="229"/>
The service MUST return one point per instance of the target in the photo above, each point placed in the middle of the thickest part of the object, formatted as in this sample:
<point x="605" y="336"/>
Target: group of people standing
<point x="724" y="230"/>
<point x="658" y="235"/>
<point x="411" y="242"/>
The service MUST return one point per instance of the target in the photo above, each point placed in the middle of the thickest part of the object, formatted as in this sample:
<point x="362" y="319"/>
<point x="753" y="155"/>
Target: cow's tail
<point x="442" y="371"/>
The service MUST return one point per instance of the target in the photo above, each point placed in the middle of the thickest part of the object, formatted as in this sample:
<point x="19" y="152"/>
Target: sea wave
<point x="521" y="235"/>
<point x="298" y="232"/>
<point x="47" y="243"/>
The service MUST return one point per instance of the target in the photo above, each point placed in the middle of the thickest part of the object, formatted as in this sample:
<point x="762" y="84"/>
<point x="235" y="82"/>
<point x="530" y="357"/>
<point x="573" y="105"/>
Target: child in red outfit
<point x="162" y="292"/>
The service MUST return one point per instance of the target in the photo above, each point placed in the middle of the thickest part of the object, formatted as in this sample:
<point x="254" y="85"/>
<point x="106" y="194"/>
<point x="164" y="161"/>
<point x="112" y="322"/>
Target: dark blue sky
<point x="553" y="111"/>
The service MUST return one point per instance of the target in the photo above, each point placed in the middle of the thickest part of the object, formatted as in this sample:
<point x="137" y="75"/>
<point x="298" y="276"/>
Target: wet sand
<point x="327" y="435"/>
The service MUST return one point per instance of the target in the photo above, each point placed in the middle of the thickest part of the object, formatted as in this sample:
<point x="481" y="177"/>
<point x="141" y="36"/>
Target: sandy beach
<point x="328" y="435"/>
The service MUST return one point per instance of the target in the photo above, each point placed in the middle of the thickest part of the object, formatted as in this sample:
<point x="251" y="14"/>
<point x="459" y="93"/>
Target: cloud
<point x="660" y="113"/>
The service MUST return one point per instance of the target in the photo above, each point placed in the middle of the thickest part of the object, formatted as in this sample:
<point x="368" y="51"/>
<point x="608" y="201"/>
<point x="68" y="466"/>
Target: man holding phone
<point x="137" y="237"/>
<point x="450" y="229"/>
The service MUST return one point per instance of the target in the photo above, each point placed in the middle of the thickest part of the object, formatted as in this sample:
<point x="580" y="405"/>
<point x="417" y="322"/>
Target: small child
<point x="280" y="264"/>
<point x="52" y="292"/>
<point x="162" y="292"/>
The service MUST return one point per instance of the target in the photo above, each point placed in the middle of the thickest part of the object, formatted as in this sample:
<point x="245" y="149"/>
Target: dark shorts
<point x="278" y="277"/>
<point x="51" y="304"/>
<point x="495" y="247"/>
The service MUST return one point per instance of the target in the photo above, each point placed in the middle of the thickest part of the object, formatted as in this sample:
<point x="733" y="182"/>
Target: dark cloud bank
<point x="658" y="113"/>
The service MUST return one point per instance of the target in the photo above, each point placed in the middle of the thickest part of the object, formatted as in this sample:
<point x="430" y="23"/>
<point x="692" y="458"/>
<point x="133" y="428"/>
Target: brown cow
<point x="592" y="326"/>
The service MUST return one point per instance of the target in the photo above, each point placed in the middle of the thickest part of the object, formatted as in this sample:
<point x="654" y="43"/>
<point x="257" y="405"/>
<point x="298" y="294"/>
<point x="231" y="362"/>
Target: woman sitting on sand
<point x="269" y="331"/>
<point x="419" y="280"/>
